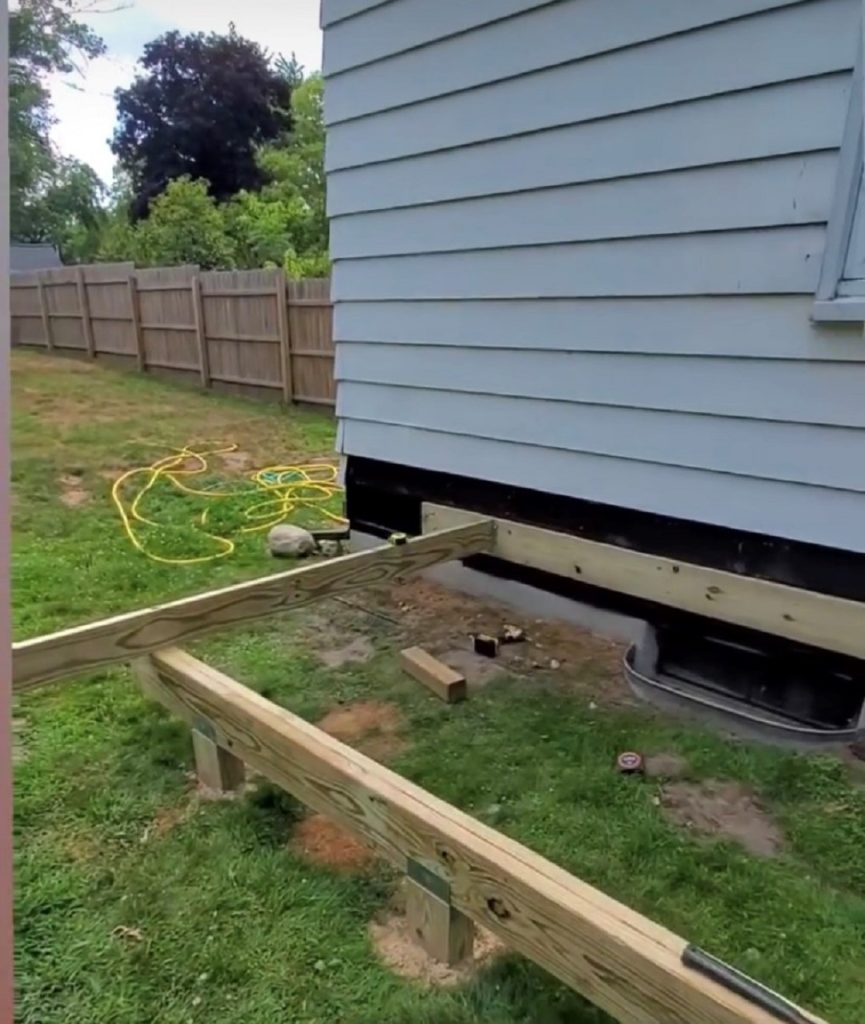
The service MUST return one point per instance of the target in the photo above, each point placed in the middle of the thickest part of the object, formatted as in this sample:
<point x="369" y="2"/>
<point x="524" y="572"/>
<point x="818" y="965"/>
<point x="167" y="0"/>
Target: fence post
<point x="46" y="319"/>
<point x="200" y="332"/>
<point x="135" y="316"/>
<point x="84" y="304"/>
<point x="284" y="337"/>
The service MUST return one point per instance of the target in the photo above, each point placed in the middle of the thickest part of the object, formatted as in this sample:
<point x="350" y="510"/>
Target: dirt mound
<point x="723" y="809"/>
<point x="393" y="941"/>
<point x="72" y="491"/>
<point x="372" y="727"/>
<point x="324" y="842"/>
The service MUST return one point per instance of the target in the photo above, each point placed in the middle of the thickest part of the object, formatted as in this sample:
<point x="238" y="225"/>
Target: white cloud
<point x="84" y="104"/>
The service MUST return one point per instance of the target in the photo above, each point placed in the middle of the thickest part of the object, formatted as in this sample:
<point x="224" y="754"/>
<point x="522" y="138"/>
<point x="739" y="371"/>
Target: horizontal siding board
<point x="816" y="515"/>
<point x="333" y="11"/>
<point x="391" y="28"/>
<point x="805" y="41"/>
<point x="742" y="126"/>
<point x="776" y="260"/>
<point x="820" y="456"/>
<point x="770" y="193"/>
<point x="538" y="38"/>
<point x="786" y="391"/>
<point x="763" y="326"/>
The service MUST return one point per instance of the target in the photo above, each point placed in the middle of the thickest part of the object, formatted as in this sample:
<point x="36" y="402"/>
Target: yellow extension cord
<point x="282" y="490"/>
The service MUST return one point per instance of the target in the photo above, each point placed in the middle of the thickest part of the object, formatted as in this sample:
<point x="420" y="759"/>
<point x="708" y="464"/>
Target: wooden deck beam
<point x="832" y="623"/>
<point x="620" y="960"/>
<point x="123" y="637"/>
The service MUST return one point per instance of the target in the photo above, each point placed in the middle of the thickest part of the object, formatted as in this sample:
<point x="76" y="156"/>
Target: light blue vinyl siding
<point x="580" y="254"/>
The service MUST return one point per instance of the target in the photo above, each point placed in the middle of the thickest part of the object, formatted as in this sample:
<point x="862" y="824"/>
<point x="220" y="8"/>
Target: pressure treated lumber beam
<point x="832" y="623"/>
<point x="83" y="648"/>
<point x="617" y="958"/>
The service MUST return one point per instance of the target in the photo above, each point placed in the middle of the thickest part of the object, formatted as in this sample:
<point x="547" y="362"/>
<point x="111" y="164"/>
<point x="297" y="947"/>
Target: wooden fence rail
<point x="244" y="331"/>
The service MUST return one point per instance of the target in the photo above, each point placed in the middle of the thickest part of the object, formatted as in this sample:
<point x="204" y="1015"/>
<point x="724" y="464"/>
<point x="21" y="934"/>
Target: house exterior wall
<point x="576" y="246"/>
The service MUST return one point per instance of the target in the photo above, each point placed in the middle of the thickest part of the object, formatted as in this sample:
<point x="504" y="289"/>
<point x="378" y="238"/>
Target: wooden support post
<point x="443" y="931"/>
<point x="283" y="319"/>
<point x="135" y="315"/>
<point x="623" y="962"/>
<point x="200" y="331"/>
<point x="125" y="637"/>
<point x="46" y="318"/>
<point x="217" y="769"/>
<point x="84" y="305"/>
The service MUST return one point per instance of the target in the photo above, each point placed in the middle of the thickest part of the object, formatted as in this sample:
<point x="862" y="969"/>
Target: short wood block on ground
<point x="444" y="681"/>
<point x="445" y="933"/>
<point x="217" y="769"/>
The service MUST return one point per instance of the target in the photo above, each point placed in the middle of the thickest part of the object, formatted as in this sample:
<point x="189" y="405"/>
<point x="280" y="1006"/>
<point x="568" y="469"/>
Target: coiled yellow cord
<point x="282" y="491"/>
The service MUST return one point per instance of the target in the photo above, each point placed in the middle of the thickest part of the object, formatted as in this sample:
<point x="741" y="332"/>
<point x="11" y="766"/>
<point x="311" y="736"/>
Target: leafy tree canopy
<point x="47" y="193"/>
<point x="200" y="107"/>
<point x="295" y="166"/>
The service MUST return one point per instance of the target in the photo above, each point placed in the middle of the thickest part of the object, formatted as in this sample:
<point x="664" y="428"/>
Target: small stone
<point x="290" y="541"/>
<point x="554" y="663"/>
<point x="512" y="634"/>
<point x="593" y="706"/>
<point x="330" y="548"/>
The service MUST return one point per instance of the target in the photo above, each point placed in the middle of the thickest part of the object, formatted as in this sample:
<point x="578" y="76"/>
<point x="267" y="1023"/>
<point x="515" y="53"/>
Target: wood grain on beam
<point x="83" y="648"/>
<point x="620" y="960"/>
<point x="832" y="623"/>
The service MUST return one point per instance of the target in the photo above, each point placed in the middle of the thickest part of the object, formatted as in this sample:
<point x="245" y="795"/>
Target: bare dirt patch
<point x="442" y="621"/>
<point x="394" y="942"/>
<point x="723" y="810"/>
<point x="356" y="652"/>
<point x="72" y="490"/>
<point x="373" y="727"/>
<point x="238" y="461"/>
<point x="665" y="766"/>
<point x="477" y="669"/>
<point x="167" y="820"/>
<point x="328" y="844"/>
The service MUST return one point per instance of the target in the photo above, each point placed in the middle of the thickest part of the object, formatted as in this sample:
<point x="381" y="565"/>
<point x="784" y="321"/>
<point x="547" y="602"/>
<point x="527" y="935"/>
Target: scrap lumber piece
<point x="84" y="648"/>
<point x="444" y="681"/>
<point x="620" y="960"/>
<point x="822" y="620"/>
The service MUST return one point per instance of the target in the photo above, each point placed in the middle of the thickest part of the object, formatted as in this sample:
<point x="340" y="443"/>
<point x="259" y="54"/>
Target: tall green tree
<point x="295" y="167"/>
<point x="44" y="37"/>
<point x="200" y="107"/>
<point x="185" y="225"/>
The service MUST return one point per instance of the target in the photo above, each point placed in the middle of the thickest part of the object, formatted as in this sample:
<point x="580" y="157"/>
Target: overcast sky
<point x="84" y="104"/>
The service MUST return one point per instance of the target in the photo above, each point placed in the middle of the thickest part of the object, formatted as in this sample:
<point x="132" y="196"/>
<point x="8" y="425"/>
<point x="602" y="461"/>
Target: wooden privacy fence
<point x="247" y="331"/>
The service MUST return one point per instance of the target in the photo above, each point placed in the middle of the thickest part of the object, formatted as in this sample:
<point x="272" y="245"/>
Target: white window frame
<point x="838" y="300"/>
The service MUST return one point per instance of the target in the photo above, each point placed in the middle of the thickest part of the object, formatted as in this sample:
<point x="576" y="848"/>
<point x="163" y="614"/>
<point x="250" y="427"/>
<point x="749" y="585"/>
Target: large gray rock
<point x="287" y="541"/>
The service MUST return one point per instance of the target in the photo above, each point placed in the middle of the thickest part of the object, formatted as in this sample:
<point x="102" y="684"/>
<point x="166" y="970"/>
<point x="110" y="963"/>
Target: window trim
<point x="829" y="306"/>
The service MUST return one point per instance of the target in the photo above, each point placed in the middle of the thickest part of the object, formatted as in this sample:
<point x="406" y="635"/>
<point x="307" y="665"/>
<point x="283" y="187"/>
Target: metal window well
<point x="731" y="687"/>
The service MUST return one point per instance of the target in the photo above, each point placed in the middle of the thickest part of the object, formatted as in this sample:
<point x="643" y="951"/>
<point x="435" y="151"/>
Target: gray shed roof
<point x="33" y="256"/>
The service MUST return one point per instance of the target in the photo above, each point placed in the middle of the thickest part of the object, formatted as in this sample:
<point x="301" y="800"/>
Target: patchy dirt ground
<point x="723" y="810"/>
<point x="72" y="490"/>
<point x="394" y="942"/>
<point x="376" y="729"/>
<point x="328" y="844"/>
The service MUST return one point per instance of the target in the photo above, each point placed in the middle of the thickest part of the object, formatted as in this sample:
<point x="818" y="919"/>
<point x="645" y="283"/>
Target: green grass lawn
<point x="137" y="902"/>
